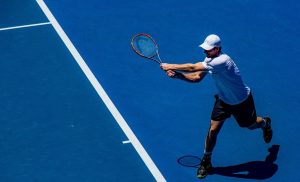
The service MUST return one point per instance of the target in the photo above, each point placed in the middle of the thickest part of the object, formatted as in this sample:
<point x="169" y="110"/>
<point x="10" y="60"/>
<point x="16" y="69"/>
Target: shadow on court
<point x="250" y="170"/>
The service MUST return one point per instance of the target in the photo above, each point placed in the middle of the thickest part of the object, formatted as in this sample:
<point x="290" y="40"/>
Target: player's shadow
<point x="250" y="170"/>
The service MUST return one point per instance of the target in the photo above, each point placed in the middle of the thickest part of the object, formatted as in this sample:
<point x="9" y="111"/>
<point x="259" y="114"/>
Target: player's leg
<point x="218" y="116"/>
<point x="210" y="142"/>
<point x="245" y="115"/>
<point x="265" y="124"/>
<point x="211" y="138"/>
<point x="260" y="123"/>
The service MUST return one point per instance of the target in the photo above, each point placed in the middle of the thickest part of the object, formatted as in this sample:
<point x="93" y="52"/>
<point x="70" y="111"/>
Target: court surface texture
<point x="77" y="104"/>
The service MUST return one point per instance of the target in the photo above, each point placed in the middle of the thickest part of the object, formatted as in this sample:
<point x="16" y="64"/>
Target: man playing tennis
<point x="234" y="97"/>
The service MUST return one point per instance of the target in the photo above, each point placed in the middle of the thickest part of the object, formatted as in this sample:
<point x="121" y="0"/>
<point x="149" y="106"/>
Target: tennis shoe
<point x="205" y="167"/>
<point x="267" y="130"/>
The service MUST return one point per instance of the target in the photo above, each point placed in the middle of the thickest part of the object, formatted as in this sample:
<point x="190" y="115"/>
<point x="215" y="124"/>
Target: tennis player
<point x="234" y="97"/>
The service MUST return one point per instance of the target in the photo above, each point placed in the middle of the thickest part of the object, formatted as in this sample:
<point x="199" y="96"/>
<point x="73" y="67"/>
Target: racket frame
<point x="159" y="61"/>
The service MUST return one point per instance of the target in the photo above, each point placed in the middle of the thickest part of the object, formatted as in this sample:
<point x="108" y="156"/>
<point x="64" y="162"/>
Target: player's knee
<point x="213" y="132"/>
<point x="215" y="128"/>
<point x="254" y="126"/>
<point x="251" y="128"/>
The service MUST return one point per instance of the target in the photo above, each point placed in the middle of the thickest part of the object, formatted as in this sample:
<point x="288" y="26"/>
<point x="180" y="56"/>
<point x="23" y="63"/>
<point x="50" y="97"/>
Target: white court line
<point x="126" y="142"/>
<point x="25" y="26"/>
<point x="101" y="92"/>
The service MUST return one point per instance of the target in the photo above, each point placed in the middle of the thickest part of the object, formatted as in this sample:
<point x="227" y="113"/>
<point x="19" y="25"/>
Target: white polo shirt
<point x="232" y="90"/>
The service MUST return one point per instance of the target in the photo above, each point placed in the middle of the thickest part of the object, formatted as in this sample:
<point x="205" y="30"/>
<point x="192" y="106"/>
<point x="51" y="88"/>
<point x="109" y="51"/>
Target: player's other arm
<point x="188" y="67"/>
<point x="194" y="77"/>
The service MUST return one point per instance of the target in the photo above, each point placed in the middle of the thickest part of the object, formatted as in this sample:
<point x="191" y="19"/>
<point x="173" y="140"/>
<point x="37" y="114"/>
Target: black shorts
<point x="244" y="113"/>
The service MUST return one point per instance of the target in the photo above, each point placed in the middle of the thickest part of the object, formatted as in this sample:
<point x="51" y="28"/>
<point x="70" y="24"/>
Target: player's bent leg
<point x="265" y="125"/>
<point x="260" y="123"/>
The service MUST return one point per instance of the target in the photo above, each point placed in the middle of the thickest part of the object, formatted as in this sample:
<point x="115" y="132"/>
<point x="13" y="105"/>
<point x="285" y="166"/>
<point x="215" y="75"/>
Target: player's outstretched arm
<point x="189" y="77"/>
<point x="188" y="67"/>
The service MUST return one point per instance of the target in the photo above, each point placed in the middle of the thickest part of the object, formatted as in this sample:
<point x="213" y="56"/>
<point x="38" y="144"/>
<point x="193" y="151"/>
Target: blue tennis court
<point x="79" y="105"/>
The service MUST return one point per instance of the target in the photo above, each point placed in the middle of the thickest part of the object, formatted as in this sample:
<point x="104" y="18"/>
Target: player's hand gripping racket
<point x="145" y="46"/>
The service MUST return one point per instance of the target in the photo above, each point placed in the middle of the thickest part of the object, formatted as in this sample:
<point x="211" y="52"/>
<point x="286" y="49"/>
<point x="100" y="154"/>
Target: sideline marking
<point x="101" y="92"/>
<point x="25" y="26"/>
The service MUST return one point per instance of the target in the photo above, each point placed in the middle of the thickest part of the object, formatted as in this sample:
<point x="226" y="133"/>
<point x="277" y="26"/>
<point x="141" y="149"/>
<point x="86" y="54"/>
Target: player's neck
<point x="216" y="55"/>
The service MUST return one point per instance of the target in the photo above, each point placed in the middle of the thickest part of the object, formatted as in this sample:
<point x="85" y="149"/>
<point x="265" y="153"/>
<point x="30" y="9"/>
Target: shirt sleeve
<point x="215" y="65"/>
<point x="206" y="64"/>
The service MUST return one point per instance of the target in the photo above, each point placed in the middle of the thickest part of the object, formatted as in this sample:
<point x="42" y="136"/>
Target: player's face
<point x="212" y="53"/>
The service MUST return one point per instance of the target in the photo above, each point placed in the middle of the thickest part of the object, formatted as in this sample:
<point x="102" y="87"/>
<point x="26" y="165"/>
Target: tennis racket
<point x="145" y="46"/>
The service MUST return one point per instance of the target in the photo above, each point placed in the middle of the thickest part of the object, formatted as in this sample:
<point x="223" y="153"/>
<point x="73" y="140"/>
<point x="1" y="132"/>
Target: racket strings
<point x="145" y="46"/>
